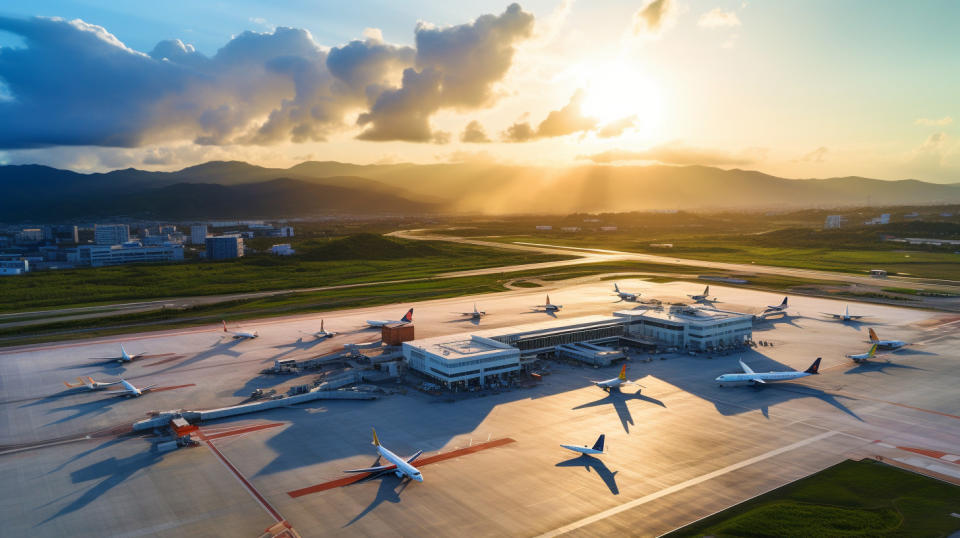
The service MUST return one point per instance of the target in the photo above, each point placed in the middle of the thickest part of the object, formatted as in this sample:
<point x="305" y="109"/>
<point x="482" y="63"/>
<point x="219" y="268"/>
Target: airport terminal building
<point x="485" y="356"/>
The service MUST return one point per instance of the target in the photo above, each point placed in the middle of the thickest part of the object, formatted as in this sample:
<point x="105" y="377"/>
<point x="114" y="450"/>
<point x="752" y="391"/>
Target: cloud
<point x="567" y="120"/>
<point x="455" y="67"/>
<point x="934" y="143"/>
<point x="616" y="127"/>
<point x="654" y="18"/>
<point x="815" y="156"/>
<point x="936" y="122"/>
<point x="718" y="18"/>
<point x="474" y="133"/>
<point x="75" y="84"/>
<point x="674" y="153"/>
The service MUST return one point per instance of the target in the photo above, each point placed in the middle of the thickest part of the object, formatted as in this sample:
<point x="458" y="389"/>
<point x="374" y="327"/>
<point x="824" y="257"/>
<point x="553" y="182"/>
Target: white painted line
<point x="683" y="485"/>
<point x="951" y="458"/>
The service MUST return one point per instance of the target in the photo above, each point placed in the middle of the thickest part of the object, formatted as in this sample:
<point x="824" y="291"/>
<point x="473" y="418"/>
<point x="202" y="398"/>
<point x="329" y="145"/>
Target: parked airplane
<point x="616" y="382"/>
<point x="625" y="296"/>
<point x="322" y="333"/>
<point x="597" y="447"/>
<point x="549" y="307"/>
<point x="705" y="296"/>
<point x="133" y="392"/>
<point x="124" y="356"/>
<point x="843" y="317"/>
<point x="401" y="467"/>
<point x="407" y="318"/>
<point x="886" y="344"/>
<point x="759" y="378"/>
<point x="240" y="335"/>
<point x="782" y="307"/>
<point x="90" y="384"/>
<point x="863" y="357"/>
<point x="476" y="314"/>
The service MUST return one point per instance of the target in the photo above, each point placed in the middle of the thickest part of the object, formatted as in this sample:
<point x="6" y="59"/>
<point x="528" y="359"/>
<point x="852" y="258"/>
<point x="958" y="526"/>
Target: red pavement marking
<point x="936" y="454"/>
<point x="174" y="387"/>
<point x="238" y="431"/>
<point x="419" y="463"/>
<point x="256" y="494"/>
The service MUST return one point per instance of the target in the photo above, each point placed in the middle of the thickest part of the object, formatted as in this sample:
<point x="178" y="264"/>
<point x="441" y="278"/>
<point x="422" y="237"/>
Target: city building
<point x="224" y="247"/>
<point x="61" y="234"/>
<point x="129" y="252"/>
<point x="461" y="360"/>
<point x="882" y="219"/>
<point x="29" y="235"/>
<point x="544" y="228"/>
<point x="282" y="250"/>
<point x="14" y="267"/>
<point x="198" y="234"/>
<point x="834" y="222"/>
<point x="167" y="229"/>
<point x="111" y="234"/>
<point x="608" y="228"/>
<point x="688" y="327"/>
<point x="570" y="229"/>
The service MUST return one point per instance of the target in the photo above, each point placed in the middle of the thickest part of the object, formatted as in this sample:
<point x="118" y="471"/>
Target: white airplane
<point x="407" y="318"/>
<point x="90" y="384"/>
<point x="322" y="333"/>
<point x="760" y="378"/>
<point x="476" y="314"/>
<point x="625" y="296"/>
<point x="548" y="307"/>
<point x="616" y="382"/>
<point x="705" y="296"/>
<point x="240" y="335"/>
<point x="886" y="344"/>
<point x="782" y="307"/>
<point x="124" y="356"/>
<point x="401" y="467"/>
<point x="863" y="357"/>
<point x="843" y="317"/>
<point x="597" y="447"/>
<point x="130" y="391"/>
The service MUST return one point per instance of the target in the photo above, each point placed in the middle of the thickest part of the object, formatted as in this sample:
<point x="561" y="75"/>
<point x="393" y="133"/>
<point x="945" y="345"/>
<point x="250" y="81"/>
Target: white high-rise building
<point x="111" y="234"/>
<point x="198" y="234"/>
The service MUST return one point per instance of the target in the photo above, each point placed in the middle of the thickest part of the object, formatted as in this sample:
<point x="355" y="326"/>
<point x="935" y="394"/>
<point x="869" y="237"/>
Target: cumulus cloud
<point x="654" y="17"/>
<point x="934" y="122"/>
<point x="674" y="153"/>
<point x="519" y="132"/>
<point x="718" y="18"/>
<point x="74" y="83"/>
<point x="567" y="120"/>
<point x="616" y="127"/>
<point x="474" y="133"/>
<point x="815" y="156"/>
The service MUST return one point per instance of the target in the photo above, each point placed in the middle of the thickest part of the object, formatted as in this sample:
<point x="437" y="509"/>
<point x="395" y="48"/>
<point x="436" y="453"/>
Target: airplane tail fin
<point x="75" y="385"/>
<point x="706" y="291"/>
<point x="408" y="317"/>
<point x="616" y="288"/>
<point x="123" y="352"/>
<point x="321" y="326"/>
<point x="599" y="444"/>
<point x="623" y="373"/>
<point x="376" y="441"/>
<point x="224" y="325"/>
<point x="548" y="299"/>
<point x="873" y="335"/>
<point x="784" y="303"/>
<point x="814" y="368"/>
<point x="873" y="351"/>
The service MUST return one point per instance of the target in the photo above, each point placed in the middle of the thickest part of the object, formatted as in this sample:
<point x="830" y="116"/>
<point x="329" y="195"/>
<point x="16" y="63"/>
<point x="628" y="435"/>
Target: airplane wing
<point x="415" y="456"/>
<point x="758" y="380"/>
<point x="376" y="469"/>
<point x="854" y="317"/>
<point x="103" y="358"/>
<point x="834" y="316"/>
<point x="746" y="369"/>
<point x="149" y="387"/>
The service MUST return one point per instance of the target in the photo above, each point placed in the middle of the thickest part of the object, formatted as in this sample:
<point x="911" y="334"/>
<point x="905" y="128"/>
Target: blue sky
<point x="800" y="89"/>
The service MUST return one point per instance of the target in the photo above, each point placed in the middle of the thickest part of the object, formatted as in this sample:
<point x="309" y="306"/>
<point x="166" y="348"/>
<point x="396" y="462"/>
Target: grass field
<point x="853" y="498"/>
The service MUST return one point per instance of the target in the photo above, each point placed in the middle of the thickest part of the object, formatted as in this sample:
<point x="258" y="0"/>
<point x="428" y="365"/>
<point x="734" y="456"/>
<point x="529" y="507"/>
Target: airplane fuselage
<point x="889" y="344"/>
<point x="403" y="468"/>
<point x="761" y="376"/>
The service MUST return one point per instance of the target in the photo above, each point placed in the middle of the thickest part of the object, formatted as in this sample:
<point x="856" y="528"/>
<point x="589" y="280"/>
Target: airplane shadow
<point x="878" y="366"/>
<point x="96" y="407"/>
<point x="832" y="399"/>
<point x="589" y="462"/>
<point x="387" y="492"/>
<point x="619" y="402"/>
<point x="551" y="314"/>
<point x="911" y="351"/>
<point x="110" y="472"/>
<point x="218" y="348"/>
<point x="771" y="320"/>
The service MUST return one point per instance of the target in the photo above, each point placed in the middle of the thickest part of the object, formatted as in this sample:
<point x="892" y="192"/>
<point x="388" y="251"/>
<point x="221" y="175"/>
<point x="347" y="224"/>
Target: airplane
<point x="322" y="333"/>
<point x="863" y="357"/>
<point x="240" y="335"/>
<point x="761" y="378"/>
<point x="549" y="307"/>
<point x="625" y="296"/>
<point x="90" y="384"/>
<point x="401" y="467"/>
<point x="616" y="382"/>
<point x="407" y="318"/>
<point x="843" y="317"/>
<point x="782" y="307"/>
<point x="476" y="314"/>
<point x="886" y="344"/>
<point x="596" y="449"/>
<point x="133" y="392"/>
<point x="705" y="296"/>
<point x="124" y="356"/>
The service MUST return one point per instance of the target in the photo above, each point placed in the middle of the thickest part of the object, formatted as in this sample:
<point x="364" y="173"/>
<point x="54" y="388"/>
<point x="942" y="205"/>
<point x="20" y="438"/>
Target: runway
<point x="679" y="450"/>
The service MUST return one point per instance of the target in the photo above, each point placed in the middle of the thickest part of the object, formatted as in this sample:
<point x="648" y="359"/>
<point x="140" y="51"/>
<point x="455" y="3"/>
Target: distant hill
<point x="239" y="189"/>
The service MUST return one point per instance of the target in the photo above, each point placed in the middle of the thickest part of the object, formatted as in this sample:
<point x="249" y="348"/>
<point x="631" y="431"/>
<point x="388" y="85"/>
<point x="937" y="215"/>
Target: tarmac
<point x="679" y="448"/>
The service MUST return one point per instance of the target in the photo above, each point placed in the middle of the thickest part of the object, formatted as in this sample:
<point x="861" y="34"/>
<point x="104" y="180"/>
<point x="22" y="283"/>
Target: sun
<point x="618" y="90"/>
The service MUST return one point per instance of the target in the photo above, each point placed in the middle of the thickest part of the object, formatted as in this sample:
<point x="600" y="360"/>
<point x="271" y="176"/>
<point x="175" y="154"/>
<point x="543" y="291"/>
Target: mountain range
<point x="238" y="189"/>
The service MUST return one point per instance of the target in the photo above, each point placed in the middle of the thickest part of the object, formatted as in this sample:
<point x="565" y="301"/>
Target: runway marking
<point x="238" y="431"/>
<point x="684" y="485"/>
<point x="345" y="481"/>
<point x="156" y="389"/>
